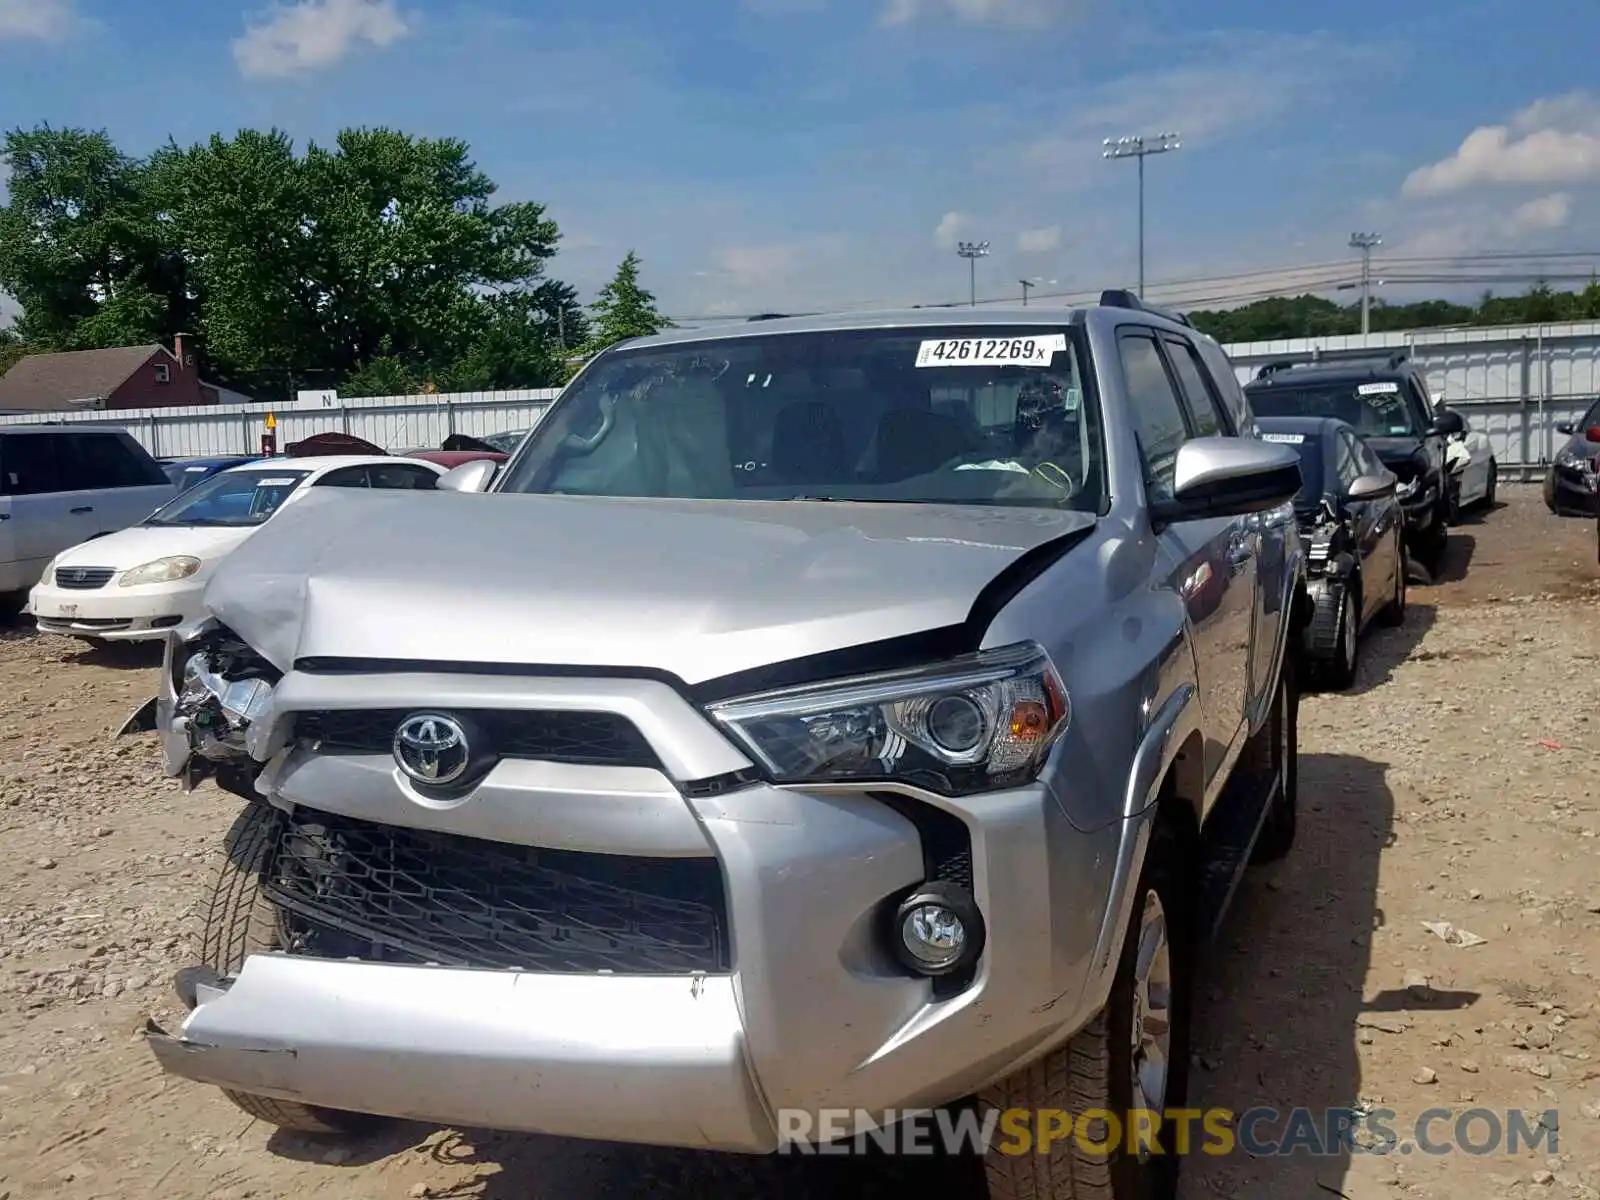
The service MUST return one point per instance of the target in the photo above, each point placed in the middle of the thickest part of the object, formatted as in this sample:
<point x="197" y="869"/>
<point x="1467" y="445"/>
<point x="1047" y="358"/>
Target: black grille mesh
<point x="386" y="893"/>
<point x="590" y="738"/>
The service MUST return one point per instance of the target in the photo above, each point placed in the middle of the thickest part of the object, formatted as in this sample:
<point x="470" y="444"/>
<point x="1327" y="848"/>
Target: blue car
<point x="186" y="472"/>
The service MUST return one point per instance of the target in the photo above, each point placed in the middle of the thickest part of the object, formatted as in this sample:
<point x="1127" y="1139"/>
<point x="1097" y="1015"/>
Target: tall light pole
<point x="1364" y="242"/>
<point x="1026" y="284"/>
<point x="1140" y="148"/>
<point x="972" y="252"/>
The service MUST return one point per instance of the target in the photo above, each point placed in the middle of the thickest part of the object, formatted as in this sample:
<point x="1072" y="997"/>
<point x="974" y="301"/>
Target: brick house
<point x="122" y="377"/>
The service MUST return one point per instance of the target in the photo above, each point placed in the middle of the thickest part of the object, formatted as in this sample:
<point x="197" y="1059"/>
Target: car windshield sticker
<point x="991" y="352"/>
<point x="1288" y="439"/>
<point x="1389" y="388"/>
<point x="274" y="482"/>
<point x="193" y="470"/>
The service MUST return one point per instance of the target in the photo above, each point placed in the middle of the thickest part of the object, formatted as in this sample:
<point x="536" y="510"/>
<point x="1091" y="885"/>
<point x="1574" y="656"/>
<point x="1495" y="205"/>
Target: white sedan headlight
<point x="160" y="570"/>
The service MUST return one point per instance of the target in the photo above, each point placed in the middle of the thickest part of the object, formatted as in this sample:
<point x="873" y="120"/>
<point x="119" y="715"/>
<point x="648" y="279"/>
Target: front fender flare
<point x="1166" y="731"/>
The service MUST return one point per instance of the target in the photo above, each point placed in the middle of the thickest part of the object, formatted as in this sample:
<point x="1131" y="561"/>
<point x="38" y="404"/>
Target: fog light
<point x="938" y="929"/>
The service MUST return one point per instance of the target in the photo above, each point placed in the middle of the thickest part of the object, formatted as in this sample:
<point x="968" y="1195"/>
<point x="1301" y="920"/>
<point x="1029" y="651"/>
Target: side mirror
<point x="474" y="476"/>
<point x="1449" y="423"/>
<point x="1370" y="487"/>
<point x="1567" y="428"/>
<point x="1229" y="477"/>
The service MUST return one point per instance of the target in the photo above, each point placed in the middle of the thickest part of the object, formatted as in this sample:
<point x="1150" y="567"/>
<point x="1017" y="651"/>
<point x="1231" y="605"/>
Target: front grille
<point x="83" y="578"/>
<point x="383" y="893"/>
<point x="589" y="738"/>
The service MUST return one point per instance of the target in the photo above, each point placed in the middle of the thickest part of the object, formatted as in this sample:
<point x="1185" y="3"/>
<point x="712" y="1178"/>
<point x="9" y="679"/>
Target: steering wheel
<point x="608" y="418"/>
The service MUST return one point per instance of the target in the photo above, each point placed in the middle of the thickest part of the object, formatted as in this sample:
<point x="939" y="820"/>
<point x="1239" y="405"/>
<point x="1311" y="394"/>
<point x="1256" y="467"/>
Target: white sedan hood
<point x="145" y="543"/>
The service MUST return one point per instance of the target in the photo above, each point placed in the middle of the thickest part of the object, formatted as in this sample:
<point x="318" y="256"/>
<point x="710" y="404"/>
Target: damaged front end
<point x="213" y="709"/>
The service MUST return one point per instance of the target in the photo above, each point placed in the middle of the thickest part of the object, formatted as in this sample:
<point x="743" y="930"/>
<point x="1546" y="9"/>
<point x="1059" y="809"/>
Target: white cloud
<point x="1555" y="140"/>
<point x="1542" y="215"/>
<point x="757" y="265"/>
<point x="289" y="39"/>
<point x="39" y="20"/>
<point x="1017" y="14"/>
<point x="1039" y="241"/>
<point x="949" y="230"/>
<point x="1212" y="87"/>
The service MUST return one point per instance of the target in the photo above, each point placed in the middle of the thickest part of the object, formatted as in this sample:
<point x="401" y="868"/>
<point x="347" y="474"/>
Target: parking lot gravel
<point x="1432" y="943"/>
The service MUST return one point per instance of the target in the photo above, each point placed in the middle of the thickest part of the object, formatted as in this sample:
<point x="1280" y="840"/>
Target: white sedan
<point x="140" y="582"/>
<point x="1473" y="469"/>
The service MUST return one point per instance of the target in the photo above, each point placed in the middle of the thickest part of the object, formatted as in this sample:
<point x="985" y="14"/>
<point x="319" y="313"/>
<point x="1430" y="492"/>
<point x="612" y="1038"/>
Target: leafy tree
<point x="624" y="309"/>
<point x="79" y="248"/>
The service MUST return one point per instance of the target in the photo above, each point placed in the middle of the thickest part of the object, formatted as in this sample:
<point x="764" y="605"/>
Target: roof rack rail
<point x="1123" y="298"/>
<point x="767" y="317"/>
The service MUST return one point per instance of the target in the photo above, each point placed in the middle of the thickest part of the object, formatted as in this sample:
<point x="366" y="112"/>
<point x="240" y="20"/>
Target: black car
<point x="1572" y="484"/>
<point x="1351" y="528"/>
<point x="1386" y="402"/>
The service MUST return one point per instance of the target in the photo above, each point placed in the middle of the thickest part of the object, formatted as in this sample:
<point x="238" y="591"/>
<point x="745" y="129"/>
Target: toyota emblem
<point x="432" y="748"/>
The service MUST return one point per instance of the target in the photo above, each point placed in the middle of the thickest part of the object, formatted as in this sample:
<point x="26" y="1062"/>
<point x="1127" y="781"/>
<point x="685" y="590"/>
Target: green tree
<point x="624" y="309"/>
<point x="80" y="249"/>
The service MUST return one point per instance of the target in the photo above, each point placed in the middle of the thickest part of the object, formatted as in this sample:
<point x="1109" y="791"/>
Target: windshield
<point x="937" y="415"/>
<point x="504" y="442"/>
<point x="1373" y="409"/>
<point x="1310" y="450"/>
<point x="230" y="498"/>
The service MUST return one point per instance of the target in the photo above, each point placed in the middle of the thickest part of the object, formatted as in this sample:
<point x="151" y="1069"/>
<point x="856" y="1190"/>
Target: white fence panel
<point x="393" y="422"/>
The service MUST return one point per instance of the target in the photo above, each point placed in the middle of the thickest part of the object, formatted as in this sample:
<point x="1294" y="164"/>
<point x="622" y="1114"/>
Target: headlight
<point x="973" y="724"/>
<point x="160" y="570"/>
<point x="1407" y="488"/>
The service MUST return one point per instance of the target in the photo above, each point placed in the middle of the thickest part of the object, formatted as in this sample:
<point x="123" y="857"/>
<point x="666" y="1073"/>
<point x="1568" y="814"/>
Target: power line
<point x="1291" y="280"/>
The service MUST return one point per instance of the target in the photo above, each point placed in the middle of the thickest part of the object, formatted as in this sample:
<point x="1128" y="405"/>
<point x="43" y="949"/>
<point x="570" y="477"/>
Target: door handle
<point x="83" y="509"/>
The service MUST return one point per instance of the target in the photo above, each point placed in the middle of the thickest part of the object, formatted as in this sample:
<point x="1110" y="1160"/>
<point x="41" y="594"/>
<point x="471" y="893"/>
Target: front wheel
<point x="1489" y="488"/>
<point x="1333" y="638"/>
<point x="1131" y="1061"/>
<point x="1430" y="545"/>
<point x="238" y="921"/>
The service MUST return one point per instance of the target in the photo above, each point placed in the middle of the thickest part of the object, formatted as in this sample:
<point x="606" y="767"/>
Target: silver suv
<point x="846" y="715"/>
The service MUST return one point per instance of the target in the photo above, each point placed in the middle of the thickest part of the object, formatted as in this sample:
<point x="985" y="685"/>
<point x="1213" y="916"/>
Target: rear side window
<point x="352" y="477"/>
<point x="1198" y="393"/>
<point x="402" y="475"/>
<point x="30" y="464"/>
<point x="105" y="460"/>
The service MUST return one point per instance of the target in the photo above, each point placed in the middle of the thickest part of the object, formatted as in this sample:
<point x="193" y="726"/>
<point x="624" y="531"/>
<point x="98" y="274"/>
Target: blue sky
<point x="793" y="154"/>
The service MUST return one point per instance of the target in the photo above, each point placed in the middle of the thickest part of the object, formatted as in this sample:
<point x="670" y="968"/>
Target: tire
<point x="1430" y="545"/>
<point x="1275" y="753"/>
<point x="1487" y="502"/>
<point x="238" y="921"/>
<point x="1096" y="1069"/>
<point x="1333" y="639"/>
<point x="1394" y="613"/>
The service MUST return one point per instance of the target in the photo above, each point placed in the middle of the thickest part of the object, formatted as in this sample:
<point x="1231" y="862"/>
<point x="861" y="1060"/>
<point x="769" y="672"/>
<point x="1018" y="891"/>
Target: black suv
<point x="1386" y="402"/>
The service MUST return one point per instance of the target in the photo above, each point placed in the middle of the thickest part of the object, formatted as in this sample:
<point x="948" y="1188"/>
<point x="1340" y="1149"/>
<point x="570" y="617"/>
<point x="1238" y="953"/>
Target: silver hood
<point x="697" y="588"/>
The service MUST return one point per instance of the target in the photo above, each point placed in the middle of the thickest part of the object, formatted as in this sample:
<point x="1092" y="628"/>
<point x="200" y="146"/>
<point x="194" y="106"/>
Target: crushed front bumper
<point x="625" y="1059"/>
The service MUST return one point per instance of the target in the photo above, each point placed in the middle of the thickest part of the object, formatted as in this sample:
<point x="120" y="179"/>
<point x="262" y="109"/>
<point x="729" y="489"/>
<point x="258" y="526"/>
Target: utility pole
<point x="1026" y="284"/>
<point x="972" y="252"/>
<point x="1364" y="242"/>
<point x="1140" y="148"/>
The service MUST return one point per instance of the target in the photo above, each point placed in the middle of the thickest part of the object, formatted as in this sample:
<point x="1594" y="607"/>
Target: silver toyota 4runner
<point x="860" y="714"/>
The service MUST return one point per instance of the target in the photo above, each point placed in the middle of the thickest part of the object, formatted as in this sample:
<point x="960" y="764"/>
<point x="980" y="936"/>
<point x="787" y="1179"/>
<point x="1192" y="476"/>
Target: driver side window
<point x="1159" y="425"/>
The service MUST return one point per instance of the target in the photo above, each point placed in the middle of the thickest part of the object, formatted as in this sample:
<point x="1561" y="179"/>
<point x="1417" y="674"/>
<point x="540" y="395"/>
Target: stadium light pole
<point x="1140" y="148"/>
<point x="972" y="252"/>
<point x="1365" y="242"/>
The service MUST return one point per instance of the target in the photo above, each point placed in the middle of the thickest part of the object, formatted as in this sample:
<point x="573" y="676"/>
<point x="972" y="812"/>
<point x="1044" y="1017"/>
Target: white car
<point x="140" y="582"/>
<point x="1473" y="469"/>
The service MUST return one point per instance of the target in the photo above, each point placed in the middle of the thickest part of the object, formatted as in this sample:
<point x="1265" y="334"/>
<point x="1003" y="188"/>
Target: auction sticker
<point x="1286" y="439"/>
<point x="991" y="352"/>
<point x="1387" y="388"/>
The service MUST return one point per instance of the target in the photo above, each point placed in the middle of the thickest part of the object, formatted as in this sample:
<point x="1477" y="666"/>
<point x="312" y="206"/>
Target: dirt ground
<point x="1456" y="782"/>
